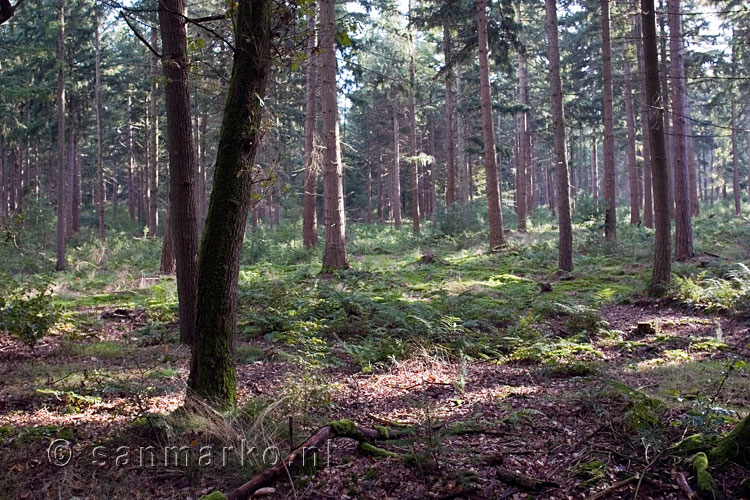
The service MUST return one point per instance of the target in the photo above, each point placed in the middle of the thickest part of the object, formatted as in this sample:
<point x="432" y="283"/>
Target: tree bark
<point x="168" y="261"/>
<point x="182" y="160"/>
<point x="683" y="224"/>
<point x="521" y="172"/>
<point x="595" y="174"/>
<point x="334" y="251"/>
<point x="610" y="188"/>
<point x="129" y="139"/>
<point x="648" y="206"/>
<point x="565" y="248"/>
<point x="635" y="210"/>
<point x="396" y="172"/>
<point x="662" y="269"/>
<point x="310" y="196"/>
<point x="60" y="264"/>
<point x="450" y="165"/>
<point x="735" y="163"/>
<point x="153" y="174"/>
<point x="413" y="133"/>
<point x="99" y="131"/>
<point x="664" y="71"/>
<point x="212" y="372"/>
<point x="494" y="195"/>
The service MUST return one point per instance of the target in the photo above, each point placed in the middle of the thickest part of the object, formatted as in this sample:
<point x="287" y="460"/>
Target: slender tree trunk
<point x="334" y="251"/>
<point x="635" y="211"/>
<point x="690" y="151"/>
<point x="99" y="131"/>
<point x="595" y="174"/>
<point x="648" y="206"/>
<point x="683" y="224"/>
<point x="153" y="181"/>
<point x="60" y="264"/>
<point x="460" y="170"/>
<point x="203" y="167"/>
<point x="735" y="163"/>
<point x="396" y="173"/>
<point x="565" y="249"/>
<point x="450" y="170"/>
<point x="131" y="183"/>
<point x="494" y="195"/>
<point x="182" y="161"/>
<point x="71" y="210"/>
<point x="413" y="133"/>
<point x="664" y="72"/>
<point x="521" y="172"/>
<point x="212" y="372"/>
<point x="310" y="196"/>
<point x="380" y="184"/>
<point x="168" y="261"/>
<point x="3" y="199"/>
<point x="662" y="255"/>
<point x="610" y="187"/>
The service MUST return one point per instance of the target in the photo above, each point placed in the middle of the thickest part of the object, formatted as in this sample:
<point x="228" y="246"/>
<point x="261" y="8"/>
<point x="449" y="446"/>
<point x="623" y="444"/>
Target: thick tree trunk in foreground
<point x="212" y="372"/>
<point x="565" y="249"/>
<point x="450" y="162"/>
<point x="61" y="202"/>
<point x="334" y="250"/>
<point x="497" y="238"/>
<point x="610" y="188"/>
<point x="683" y="224"/>
<point x="99" y="132"/>
<point x="153" y="173"/>
<point x="660" y="277"/>
<point x="310" y="195"/>
<point x="635" y="204"/>
<point x="182" y="160"/>
<point x="648" y="205"/>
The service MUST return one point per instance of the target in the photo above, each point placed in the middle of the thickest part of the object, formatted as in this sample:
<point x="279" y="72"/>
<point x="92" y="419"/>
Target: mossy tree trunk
<point x="212" y="372"/>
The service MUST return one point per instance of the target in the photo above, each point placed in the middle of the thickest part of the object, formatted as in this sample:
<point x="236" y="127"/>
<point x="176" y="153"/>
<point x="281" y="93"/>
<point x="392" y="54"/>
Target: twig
<point x="648" y="466"/>
<point x="682" y="482"/>
<point x="139" y="36"/>
<point x="613" y="488"/>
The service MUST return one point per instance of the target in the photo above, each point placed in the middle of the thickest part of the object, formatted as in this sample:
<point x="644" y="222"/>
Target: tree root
<point x="706" y="485"/>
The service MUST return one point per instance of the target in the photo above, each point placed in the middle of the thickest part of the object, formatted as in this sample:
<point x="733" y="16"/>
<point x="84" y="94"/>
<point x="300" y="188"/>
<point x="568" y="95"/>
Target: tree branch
<point x="139" y="36"/>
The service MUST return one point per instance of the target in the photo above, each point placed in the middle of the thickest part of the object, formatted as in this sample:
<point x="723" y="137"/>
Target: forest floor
<point x="494" y="362"/>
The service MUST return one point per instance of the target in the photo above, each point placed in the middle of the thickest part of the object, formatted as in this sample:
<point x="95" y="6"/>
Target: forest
<point x="387" y="249"/>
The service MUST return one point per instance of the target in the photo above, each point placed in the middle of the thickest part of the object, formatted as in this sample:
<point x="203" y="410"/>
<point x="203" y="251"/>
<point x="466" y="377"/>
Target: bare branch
<point x="139" y="36"/>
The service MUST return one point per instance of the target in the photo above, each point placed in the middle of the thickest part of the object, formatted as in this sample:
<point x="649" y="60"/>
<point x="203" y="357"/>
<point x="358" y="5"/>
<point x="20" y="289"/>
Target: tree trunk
<point x="60" y="264"/>
<point x="334" y="251"/>
<point x="413" y="134"/>
<point x="521" y="172"/>
<point x="683" y="224"/>
<point x="182" y="161"/>
<point x="72" y="209"/>
<point x="153" y="180"/>
<point x="212" y="372"/>
<point x="460" y="170"/>
<point x="3" y="202"/>
<point x="99" y="131"/>
<point x="131" y="183"/>
<point x="595" y="174"/>
<point x="310" y="195"/>
<point x="396" y="173"/>
<point x="735" y="163"/>
<point x="450" y="171"/>
<point x="168" y="261"/>
<point x="610" y="188"/>
<point x="494" y="195"/>
<point x="664" y="71"/>
<point x="635" y="211"/>
<point x="648" y="207"/>
<point x="565" y="249"/>
<point x="660" y="277"/>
